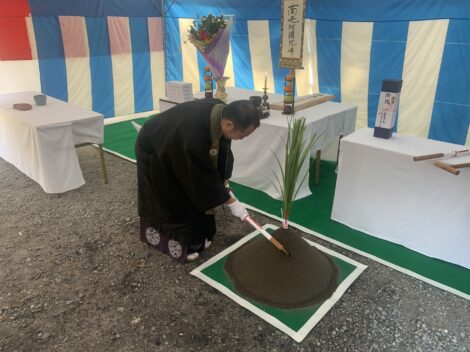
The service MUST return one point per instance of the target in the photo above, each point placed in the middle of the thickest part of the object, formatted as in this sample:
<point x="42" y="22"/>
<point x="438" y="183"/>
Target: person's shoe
<point x="207" y="244"/>
<point x="192" y="256"/>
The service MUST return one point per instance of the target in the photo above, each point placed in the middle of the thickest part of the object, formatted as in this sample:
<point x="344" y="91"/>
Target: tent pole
<point x="163" y="38"/>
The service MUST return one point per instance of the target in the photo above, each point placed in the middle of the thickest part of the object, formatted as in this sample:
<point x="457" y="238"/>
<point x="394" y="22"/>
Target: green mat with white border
<point x="312" y="215"/>
<point x="296" y="323"/>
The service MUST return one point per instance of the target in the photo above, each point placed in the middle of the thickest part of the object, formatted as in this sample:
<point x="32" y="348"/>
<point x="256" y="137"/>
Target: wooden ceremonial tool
<point x="447" y="167"/>
<point x="428" y="157"/>
<point x="453" y="169"/>
<point x="267" y="235"/>
<point x="459" y="166"/>
<point x="452" y="154"/>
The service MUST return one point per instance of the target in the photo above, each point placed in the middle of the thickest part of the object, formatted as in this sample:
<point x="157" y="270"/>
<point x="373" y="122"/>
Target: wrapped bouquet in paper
<point x="211" y="37"/>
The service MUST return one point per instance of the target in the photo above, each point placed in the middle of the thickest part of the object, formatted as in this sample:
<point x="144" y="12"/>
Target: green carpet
<point x="313" y="212"/>
<point x="119" y="138"/>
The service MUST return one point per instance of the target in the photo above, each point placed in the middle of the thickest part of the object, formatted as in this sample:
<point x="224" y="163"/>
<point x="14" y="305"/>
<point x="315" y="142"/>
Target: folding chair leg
<point x="337" y="154"/>
<point x="317" y="167"/>
<point x="103" y="165"/>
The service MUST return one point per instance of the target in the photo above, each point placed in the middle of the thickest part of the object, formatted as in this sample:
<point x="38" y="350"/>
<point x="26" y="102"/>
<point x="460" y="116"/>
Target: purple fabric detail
<point x="216" y="39"/>
<point x="153" y="238"/>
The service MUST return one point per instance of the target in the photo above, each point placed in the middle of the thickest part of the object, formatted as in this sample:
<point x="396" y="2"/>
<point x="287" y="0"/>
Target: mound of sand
<point x="261" y="272"/>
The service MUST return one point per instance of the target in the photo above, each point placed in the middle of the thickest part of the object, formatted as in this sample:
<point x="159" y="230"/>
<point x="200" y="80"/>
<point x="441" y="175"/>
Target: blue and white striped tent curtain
<point x="105" y="55"/>
<point x="350" y="46"/>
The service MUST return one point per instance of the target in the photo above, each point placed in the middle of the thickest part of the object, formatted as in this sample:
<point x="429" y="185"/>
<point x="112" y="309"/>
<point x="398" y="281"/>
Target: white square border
<point x="314" y="319"/>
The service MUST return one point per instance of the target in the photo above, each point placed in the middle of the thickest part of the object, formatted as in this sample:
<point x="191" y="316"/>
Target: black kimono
<point x="178" y="181"/>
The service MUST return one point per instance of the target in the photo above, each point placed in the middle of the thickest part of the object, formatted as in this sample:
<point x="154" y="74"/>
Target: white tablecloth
<point x="381" y="191"/>
<point x="255" y="163"/>
<point x="41" y="142"/>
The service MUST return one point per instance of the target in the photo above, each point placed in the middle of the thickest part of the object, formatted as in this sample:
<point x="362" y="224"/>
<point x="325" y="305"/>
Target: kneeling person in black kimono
<point x="183" y="164"/>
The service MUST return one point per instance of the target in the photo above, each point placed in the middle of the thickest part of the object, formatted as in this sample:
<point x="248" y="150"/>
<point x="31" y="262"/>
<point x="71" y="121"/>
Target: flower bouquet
<point x="211" y="36"/>
<point x="203" y="30"/>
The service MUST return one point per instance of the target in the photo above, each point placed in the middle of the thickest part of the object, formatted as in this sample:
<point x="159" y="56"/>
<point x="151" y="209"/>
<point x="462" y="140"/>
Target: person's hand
<point x="238" y="210"/>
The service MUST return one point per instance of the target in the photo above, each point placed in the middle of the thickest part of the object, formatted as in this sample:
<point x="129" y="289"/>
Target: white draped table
<point x="41" y="142"/>
<point x="255" y="162"/>
<point x="381" y="191"/>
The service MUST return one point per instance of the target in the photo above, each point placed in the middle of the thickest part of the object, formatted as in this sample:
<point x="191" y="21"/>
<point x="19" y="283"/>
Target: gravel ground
<point x="75" y="277"/>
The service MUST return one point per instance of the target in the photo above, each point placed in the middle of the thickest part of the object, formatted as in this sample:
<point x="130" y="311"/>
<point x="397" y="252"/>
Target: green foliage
<point x="297" y="150"/>
<point x="203" y="30"/>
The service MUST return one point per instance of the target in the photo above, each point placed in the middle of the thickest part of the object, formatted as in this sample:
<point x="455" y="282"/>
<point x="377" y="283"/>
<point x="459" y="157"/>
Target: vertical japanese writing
<point x="388" y="105"/>
<point x="293" y="13"/>
<point x="293" y="21"/>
